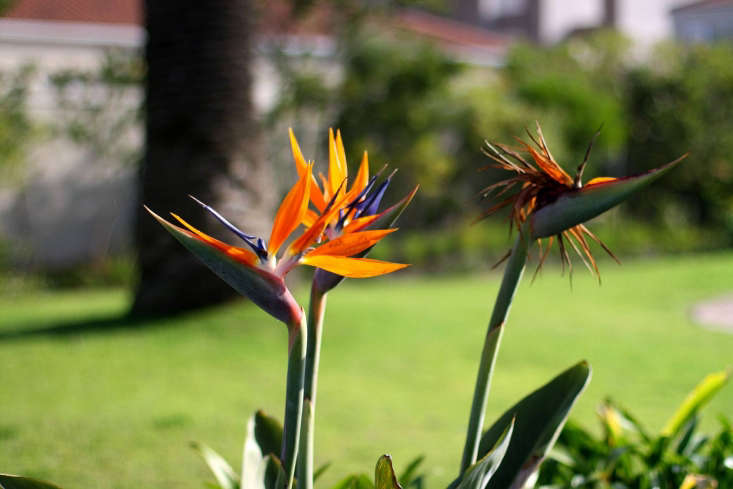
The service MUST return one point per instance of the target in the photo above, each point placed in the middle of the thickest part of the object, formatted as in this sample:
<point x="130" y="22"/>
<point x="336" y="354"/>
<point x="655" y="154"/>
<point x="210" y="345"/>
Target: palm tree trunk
<point x="201" y="139"/>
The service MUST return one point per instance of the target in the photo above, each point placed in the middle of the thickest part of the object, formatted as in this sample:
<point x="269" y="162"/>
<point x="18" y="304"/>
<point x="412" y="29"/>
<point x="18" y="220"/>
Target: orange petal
<point x="597" y="180"/>
<point x="241" y="255"/>
<point x="362" y="178"/>
<point x="326" y="187"/>
<point x="312" y="234"/>
<point x="309" y="218"/>
<point x="352" y="267"/>
<point x="302" y="167"/>
<point x="360" y="223"/>
<point x="336" y="171"/>
<point x="341" y="153"/>
<point x="351" y="244"/>
<point x="291" y="212"/>
<point x="554" y="170"/>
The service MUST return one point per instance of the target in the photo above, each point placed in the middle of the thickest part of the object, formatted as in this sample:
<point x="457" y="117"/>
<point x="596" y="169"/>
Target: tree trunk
<point x="201" y="139"/>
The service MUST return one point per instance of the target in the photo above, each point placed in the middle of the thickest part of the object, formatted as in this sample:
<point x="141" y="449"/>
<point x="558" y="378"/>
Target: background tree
<point x="201" y="139"/>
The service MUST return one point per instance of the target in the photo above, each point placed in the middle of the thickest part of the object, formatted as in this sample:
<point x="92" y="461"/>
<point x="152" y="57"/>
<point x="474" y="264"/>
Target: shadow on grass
<point x="89" y="325"/>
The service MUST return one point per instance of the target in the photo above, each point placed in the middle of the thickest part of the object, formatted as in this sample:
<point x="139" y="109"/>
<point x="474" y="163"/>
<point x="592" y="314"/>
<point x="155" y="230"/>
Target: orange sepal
<point x="351" y="244"/>
<point x="362" y="178"/>
<point x="309" y="218"/>
<point x="241" y="255"/>
<point x="336" y="170"/>
<point x="312" y="234"/>
<point x="554" y="170"/>
<point x="352" y="267"/>
<point x="360" y="223"/>
<point x="302" y="167"/>
<point x="291" y="212"/>
<point x="599" y="180"/>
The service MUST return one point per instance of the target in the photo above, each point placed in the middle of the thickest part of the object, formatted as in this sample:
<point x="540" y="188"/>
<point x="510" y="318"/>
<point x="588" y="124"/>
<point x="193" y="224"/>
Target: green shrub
<point x="627" y="456"/>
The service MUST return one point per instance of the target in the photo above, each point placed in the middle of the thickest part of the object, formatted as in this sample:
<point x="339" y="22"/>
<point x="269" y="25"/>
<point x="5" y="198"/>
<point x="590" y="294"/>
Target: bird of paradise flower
<point x="316" y="246"/>
<point x="538" y="185"/>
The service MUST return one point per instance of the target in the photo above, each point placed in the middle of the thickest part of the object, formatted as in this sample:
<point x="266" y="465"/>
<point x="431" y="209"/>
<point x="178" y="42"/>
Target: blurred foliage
<point x="682" y="103"/>
<point x="416" y="108"/>
<point x="99" y="107"/>
<point x="628" y="456"/>
<point x="5" y="5"/>
<point x="579" y="82"/>
<point x="16" y="128"/>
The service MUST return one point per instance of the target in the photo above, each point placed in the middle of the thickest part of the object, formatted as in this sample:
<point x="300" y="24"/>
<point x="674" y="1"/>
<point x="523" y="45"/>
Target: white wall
<point x="559" y="17"/>
<point x="647" y="21"/>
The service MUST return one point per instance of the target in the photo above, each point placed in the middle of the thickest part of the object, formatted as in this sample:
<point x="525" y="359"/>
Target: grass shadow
<point x="101" y="324"/>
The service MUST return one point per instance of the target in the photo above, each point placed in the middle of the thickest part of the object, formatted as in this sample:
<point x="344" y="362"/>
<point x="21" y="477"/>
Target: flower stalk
<point x="294" y="397"/>
<point x="509" y="283"/>
<point x="316" y="313"/>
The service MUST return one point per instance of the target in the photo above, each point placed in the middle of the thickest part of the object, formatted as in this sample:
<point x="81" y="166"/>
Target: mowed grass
<point x="93" y="402"/>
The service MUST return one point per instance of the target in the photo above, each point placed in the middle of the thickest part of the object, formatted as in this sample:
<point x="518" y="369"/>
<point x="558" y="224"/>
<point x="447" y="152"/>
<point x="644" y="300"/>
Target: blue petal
<point x="258" y="247"/>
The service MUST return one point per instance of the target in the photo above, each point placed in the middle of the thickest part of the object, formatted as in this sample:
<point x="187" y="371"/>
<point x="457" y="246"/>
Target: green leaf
<point x="409" y="474"/>
<point x="384" y="476"/>
<point x="700" y="395"/>
<point x="275" y="475"/>
<point x="8" y="481"/>
<point x="268" y="432"/>
<point x="539" y="419"/>
<point x="265" y="289"/>
<point x="320" y="470"/>
<point x="356" y="481"/>
<point x="264" y="436"/>
<point x="578" y="206"/>
<point x="223" y="472"/>
<point x="478" y="475"/>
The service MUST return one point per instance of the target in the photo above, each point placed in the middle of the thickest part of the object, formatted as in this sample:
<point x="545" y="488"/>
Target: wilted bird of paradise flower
<point x="256" y="271"/>
<point x="342" y="211"/>
<point x="554" y="204"/>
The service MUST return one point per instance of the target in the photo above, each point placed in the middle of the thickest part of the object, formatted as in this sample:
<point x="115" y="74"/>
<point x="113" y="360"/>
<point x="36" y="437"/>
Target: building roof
<point x="471" y="43"/>
<point x="701" y="5"/>
<point x="91" y="11"/>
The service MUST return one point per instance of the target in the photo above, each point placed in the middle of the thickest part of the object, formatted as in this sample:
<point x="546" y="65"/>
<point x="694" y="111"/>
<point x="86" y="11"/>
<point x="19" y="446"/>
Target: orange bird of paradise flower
<point x="540" y="183"/>
<point x="259" y="262"/>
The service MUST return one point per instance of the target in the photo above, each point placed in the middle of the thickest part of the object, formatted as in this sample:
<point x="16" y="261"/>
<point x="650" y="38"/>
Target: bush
<point x="627" y="456"/>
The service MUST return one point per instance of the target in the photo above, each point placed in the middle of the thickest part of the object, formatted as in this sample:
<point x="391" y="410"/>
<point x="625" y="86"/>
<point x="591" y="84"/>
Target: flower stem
<point x="294" y="397"/>
<point x="509" y="283"/>
<point x="316" y="312"/>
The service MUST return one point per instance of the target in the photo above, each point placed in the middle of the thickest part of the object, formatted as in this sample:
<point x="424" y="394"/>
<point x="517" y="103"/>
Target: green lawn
<point x="94" y="402"/>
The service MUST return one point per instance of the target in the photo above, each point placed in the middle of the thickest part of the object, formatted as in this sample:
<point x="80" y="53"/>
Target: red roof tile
<point x="97" y="11"/>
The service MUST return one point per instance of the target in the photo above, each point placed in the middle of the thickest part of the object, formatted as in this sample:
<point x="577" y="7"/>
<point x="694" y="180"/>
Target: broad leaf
<point x="223" y="472"/>
<point x="261" y="445"/>
<point x="275" y="476"/>
<point x="700" y="395"/>
<point x="384" y="476"/>
<point x="478" y="475"/>
<point x="539" y="419"/>
<point x="8" y="481"/>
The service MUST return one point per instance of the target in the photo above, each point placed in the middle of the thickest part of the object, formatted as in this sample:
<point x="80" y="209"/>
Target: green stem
<point x="316" y="312"/>
<point x="509" y="283"/>
<point x="294" y="397"/>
